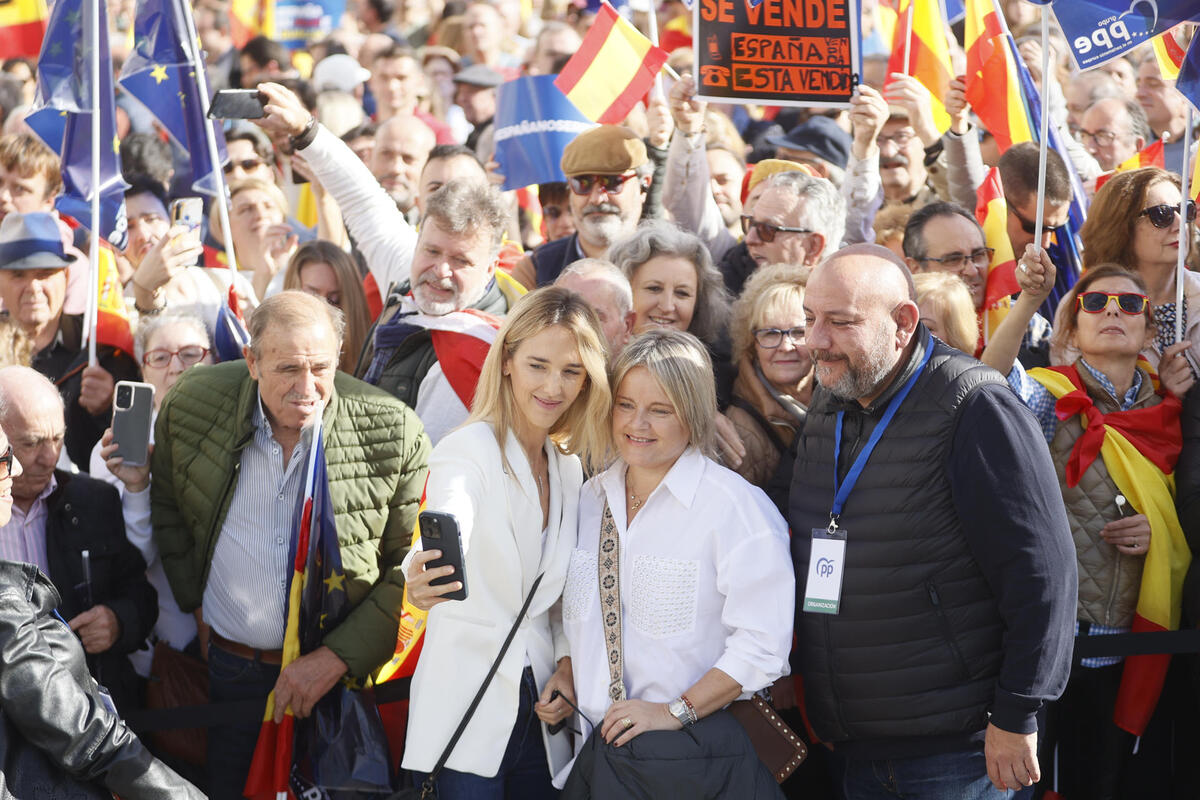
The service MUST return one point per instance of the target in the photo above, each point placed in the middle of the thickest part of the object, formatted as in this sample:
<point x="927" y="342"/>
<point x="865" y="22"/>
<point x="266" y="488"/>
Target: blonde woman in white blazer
<point x="511" y="476"/>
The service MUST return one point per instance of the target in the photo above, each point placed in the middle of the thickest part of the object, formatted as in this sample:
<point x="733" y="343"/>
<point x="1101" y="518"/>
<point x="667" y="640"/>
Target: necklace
<point x="635" y="501"/>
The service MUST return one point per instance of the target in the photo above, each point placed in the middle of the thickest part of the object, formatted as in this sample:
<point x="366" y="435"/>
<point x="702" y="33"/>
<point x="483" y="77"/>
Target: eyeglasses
<point x="7" y="461"/>
<point x="247" y="164"/>
<point x="1101" y="138"/>
<point x="612" y="184"/>
<point x="770" y="338"/>
<point x="767" y="231"/>
<point x="160" y="358"/>
<point x="900" y="139"/>
<point x="1163" y="215"/>
<point x="956" y="261"/>
<point x="1131" y="303"/>
<point x="1028" y="225"/>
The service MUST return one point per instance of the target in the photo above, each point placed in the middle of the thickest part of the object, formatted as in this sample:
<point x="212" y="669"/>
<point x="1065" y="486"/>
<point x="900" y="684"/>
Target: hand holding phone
<point x="440" y="531"/>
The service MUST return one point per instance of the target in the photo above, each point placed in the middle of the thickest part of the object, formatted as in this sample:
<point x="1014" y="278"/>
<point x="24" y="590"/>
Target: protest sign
<point x="779" y="52"/>
<point x="534" y="122"/>
<point x="299" y="23"/>
<point x="1100" y="30"/>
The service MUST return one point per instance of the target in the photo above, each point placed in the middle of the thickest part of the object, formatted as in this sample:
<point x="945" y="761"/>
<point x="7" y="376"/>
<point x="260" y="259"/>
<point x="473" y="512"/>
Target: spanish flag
<point x="612" y="70"/>
<point x="1145" y="475"/>
<point x="993" y="84"/>
<point x="22" y="26"/>
<point x="112" y="317"/>
<point x="1169" y="49"/>
<point x="249" y="18"/>
<point x="1151" y="156"/>
<point x="992" y="212"/>
<point x="921" y="32"/>
<point x="676" y="33"/>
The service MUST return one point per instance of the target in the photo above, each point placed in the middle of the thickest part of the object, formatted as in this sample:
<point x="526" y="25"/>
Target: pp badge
<point x="826" y="564"/>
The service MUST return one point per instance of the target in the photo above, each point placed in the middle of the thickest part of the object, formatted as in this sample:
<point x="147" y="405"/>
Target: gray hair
<point x="291" y="309"/>
<point x="150" y="325"/>
<point x="655" y="238"/>
<point x="824" y="210"/>
<point x="463" y="206"/>
<point x="607" y="272"/>
<point x="24" y="381"/>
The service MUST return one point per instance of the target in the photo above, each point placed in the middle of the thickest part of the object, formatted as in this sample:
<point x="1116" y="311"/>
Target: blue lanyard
<point x="840" y="493"/>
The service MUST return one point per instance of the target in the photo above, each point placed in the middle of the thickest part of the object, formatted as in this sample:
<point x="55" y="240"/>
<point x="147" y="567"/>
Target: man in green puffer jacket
<point x="229" y="468"/>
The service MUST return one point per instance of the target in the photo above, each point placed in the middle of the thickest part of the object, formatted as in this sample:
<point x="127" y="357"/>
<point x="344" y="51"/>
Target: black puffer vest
<point x="916" y="648"/>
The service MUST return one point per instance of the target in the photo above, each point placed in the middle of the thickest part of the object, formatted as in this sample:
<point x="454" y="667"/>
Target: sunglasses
<point x="1130" y="303"/>
<point x="611" y="184"/>
<point x="246" y="164"/>
<point x="160" y="358"/>
<point x="1030" y="226"/>
<point x="7" y="460"/>
<point x="767" y="231"/>
<point x="1162" y="216"/>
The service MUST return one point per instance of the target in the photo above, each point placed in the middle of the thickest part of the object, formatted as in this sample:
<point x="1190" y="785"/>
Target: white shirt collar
<point x="682" y="480"/>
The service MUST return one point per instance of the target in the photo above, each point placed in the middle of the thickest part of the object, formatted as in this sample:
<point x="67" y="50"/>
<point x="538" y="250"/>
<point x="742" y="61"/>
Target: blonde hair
<point x="581" y="428"/>
<point x="951" y="300"/>
<point x="244" y="185"/>
<point x="768" y="289"/>
<point x="680" y="363"/>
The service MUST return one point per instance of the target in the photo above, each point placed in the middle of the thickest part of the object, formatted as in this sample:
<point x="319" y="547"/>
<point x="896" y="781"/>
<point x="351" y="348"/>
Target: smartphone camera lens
<point x="124" y="397"/>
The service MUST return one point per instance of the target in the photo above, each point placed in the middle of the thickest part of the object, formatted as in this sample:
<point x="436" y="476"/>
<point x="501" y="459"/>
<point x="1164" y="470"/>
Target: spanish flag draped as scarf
<point x="1139" y="449"/>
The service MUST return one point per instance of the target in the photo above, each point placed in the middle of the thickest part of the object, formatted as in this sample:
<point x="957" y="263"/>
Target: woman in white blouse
<point x="705" y="580"/>
<point x="511" y="476"/>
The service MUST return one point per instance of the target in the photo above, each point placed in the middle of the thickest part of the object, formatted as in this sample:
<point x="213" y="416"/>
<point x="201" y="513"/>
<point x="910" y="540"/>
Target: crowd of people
<point x="735" y="394"/>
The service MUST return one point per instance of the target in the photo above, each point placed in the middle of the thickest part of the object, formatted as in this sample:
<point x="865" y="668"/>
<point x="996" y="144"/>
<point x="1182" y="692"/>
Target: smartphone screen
<point x="237" y="104"/>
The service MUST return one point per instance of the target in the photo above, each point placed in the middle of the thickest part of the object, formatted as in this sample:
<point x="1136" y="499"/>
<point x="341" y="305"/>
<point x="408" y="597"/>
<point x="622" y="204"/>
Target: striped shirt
<point x="245" y="599"/>
<point x="23" y="538"/>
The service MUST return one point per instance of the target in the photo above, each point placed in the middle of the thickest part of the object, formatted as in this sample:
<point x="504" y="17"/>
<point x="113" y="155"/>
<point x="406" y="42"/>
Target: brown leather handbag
<point x="777" y="745"/>
<point x="176" y="680"/>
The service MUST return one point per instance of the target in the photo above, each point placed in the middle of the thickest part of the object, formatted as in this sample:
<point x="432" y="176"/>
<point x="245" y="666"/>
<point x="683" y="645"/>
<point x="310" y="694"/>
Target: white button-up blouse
<point x="706" y="581"/>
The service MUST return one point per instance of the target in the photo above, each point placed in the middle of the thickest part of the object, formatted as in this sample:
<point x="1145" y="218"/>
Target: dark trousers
<point x="231" y="747"/>
<point x="524" y="772"/>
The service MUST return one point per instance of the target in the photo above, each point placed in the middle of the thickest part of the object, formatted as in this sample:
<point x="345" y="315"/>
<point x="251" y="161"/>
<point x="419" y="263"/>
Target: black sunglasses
<point x="7" y="460"/>
<point x="1131" y="303"/>
<point x="1161" y="216"/>
<point x="585" y="184"/>
<point x="1030" y="226"/>
<point x="246" y="164"/>
<point x="767" y="231"/>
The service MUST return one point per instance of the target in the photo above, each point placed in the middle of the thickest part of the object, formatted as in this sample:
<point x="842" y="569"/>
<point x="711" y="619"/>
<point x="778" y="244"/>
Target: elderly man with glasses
<point x="797" y="220"/>
<point x="608" y="175"/>
<point x="1114" y="130"/>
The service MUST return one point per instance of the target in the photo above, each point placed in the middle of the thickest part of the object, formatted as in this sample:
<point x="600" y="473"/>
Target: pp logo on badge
<point x="824" y="567"/>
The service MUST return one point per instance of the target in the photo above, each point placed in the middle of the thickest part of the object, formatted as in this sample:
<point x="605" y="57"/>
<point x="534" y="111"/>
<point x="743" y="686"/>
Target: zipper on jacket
<point x="947" y="634"/>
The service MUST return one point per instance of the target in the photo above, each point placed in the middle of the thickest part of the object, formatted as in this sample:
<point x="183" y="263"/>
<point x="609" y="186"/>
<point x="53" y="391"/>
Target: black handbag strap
<point x="462" y="726"/>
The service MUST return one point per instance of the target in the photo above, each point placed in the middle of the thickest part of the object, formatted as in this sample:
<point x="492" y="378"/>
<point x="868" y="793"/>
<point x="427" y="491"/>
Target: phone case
<point x="439" y="531"/>
<point x="132" y="415"/>
<point x="236" y="104"/>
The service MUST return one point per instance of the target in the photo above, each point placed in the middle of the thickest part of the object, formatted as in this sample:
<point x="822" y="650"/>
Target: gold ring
<point x="627" y="722"/>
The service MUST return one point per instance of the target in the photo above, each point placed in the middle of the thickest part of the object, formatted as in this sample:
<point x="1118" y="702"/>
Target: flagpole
<point x="94" y="250"/>
<point x="1044" y="144"/>
<point x="192" y="40"/>
<point x="653" y="23"/>
<point x="1184" y="239"/>
<point x="908" y="31"/>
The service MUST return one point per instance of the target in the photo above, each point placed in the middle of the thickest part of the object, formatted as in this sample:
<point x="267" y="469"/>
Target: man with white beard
<point x="608" y="175"/>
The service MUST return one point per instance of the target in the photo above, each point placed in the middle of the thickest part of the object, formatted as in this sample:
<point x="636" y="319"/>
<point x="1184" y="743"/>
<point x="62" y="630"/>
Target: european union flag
<point x="161" y="75"/>
<point x="64" y="117"/>
<point x="1189" y="74"/>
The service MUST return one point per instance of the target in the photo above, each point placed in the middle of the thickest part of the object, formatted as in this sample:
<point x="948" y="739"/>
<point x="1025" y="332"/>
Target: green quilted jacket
<point x="376" y="454"/>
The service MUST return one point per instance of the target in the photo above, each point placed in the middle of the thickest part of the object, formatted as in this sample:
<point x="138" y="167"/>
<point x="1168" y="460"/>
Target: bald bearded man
<point x="933" y="560"/>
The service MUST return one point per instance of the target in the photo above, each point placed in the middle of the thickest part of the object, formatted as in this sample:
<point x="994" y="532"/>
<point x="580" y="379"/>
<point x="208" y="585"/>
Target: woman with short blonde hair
<point x="947" y="309"/>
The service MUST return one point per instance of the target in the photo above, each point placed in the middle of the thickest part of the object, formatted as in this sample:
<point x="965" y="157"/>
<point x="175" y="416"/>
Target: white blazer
<point x="500" y="516"/>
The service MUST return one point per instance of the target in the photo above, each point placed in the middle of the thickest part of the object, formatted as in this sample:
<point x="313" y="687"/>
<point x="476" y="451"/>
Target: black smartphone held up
<point x="237" y="104"/>
<point x="133" y="410"/>
<point x="440" y="531"/>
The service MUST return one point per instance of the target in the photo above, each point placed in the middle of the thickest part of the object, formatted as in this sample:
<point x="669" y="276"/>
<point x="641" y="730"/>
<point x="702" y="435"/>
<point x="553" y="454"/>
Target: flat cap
<point x="603" y="150"/>
<point x="480" y="75"/>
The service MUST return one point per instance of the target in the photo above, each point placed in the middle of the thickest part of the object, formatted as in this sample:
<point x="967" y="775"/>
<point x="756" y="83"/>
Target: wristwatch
<point x="680" y="711"/>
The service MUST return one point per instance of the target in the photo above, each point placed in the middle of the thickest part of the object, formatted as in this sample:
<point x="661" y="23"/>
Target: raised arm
<point x="1035" y="276"/>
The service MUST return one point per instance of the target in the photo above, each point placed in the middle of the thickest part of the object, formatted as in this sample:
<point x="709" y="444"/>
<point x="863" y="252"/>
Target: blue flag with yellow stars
<point x="63" y="118"/>
<point x="161" y="75"/>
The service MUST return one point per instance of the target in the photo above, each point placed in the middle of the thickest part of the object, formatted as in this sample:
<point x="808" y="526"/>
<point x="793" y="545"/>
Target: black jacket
<point x="958" y="597"/>
<point x="58" y="739"/>
<point x="85" y="514"/>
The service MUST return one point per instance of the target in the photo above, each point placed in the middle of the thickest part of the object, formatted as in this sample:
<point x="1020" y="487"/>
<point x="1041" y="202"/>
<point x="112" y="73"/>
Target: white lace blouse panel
<point x="706" y="581"/>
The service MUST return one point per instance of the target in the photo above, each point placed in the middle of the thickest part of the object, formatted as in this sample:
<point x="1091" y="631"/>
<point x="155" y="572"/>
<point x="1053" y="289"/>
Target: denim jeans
<point x="948" y="776"/>
<point x="524" y="772"/>
<point x="231" y="747"/>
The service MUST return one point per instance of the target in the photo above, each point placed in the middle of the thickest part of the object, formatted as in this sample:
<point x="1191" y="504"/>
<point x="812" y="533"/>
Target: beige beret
<point x="603" y="150"/>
